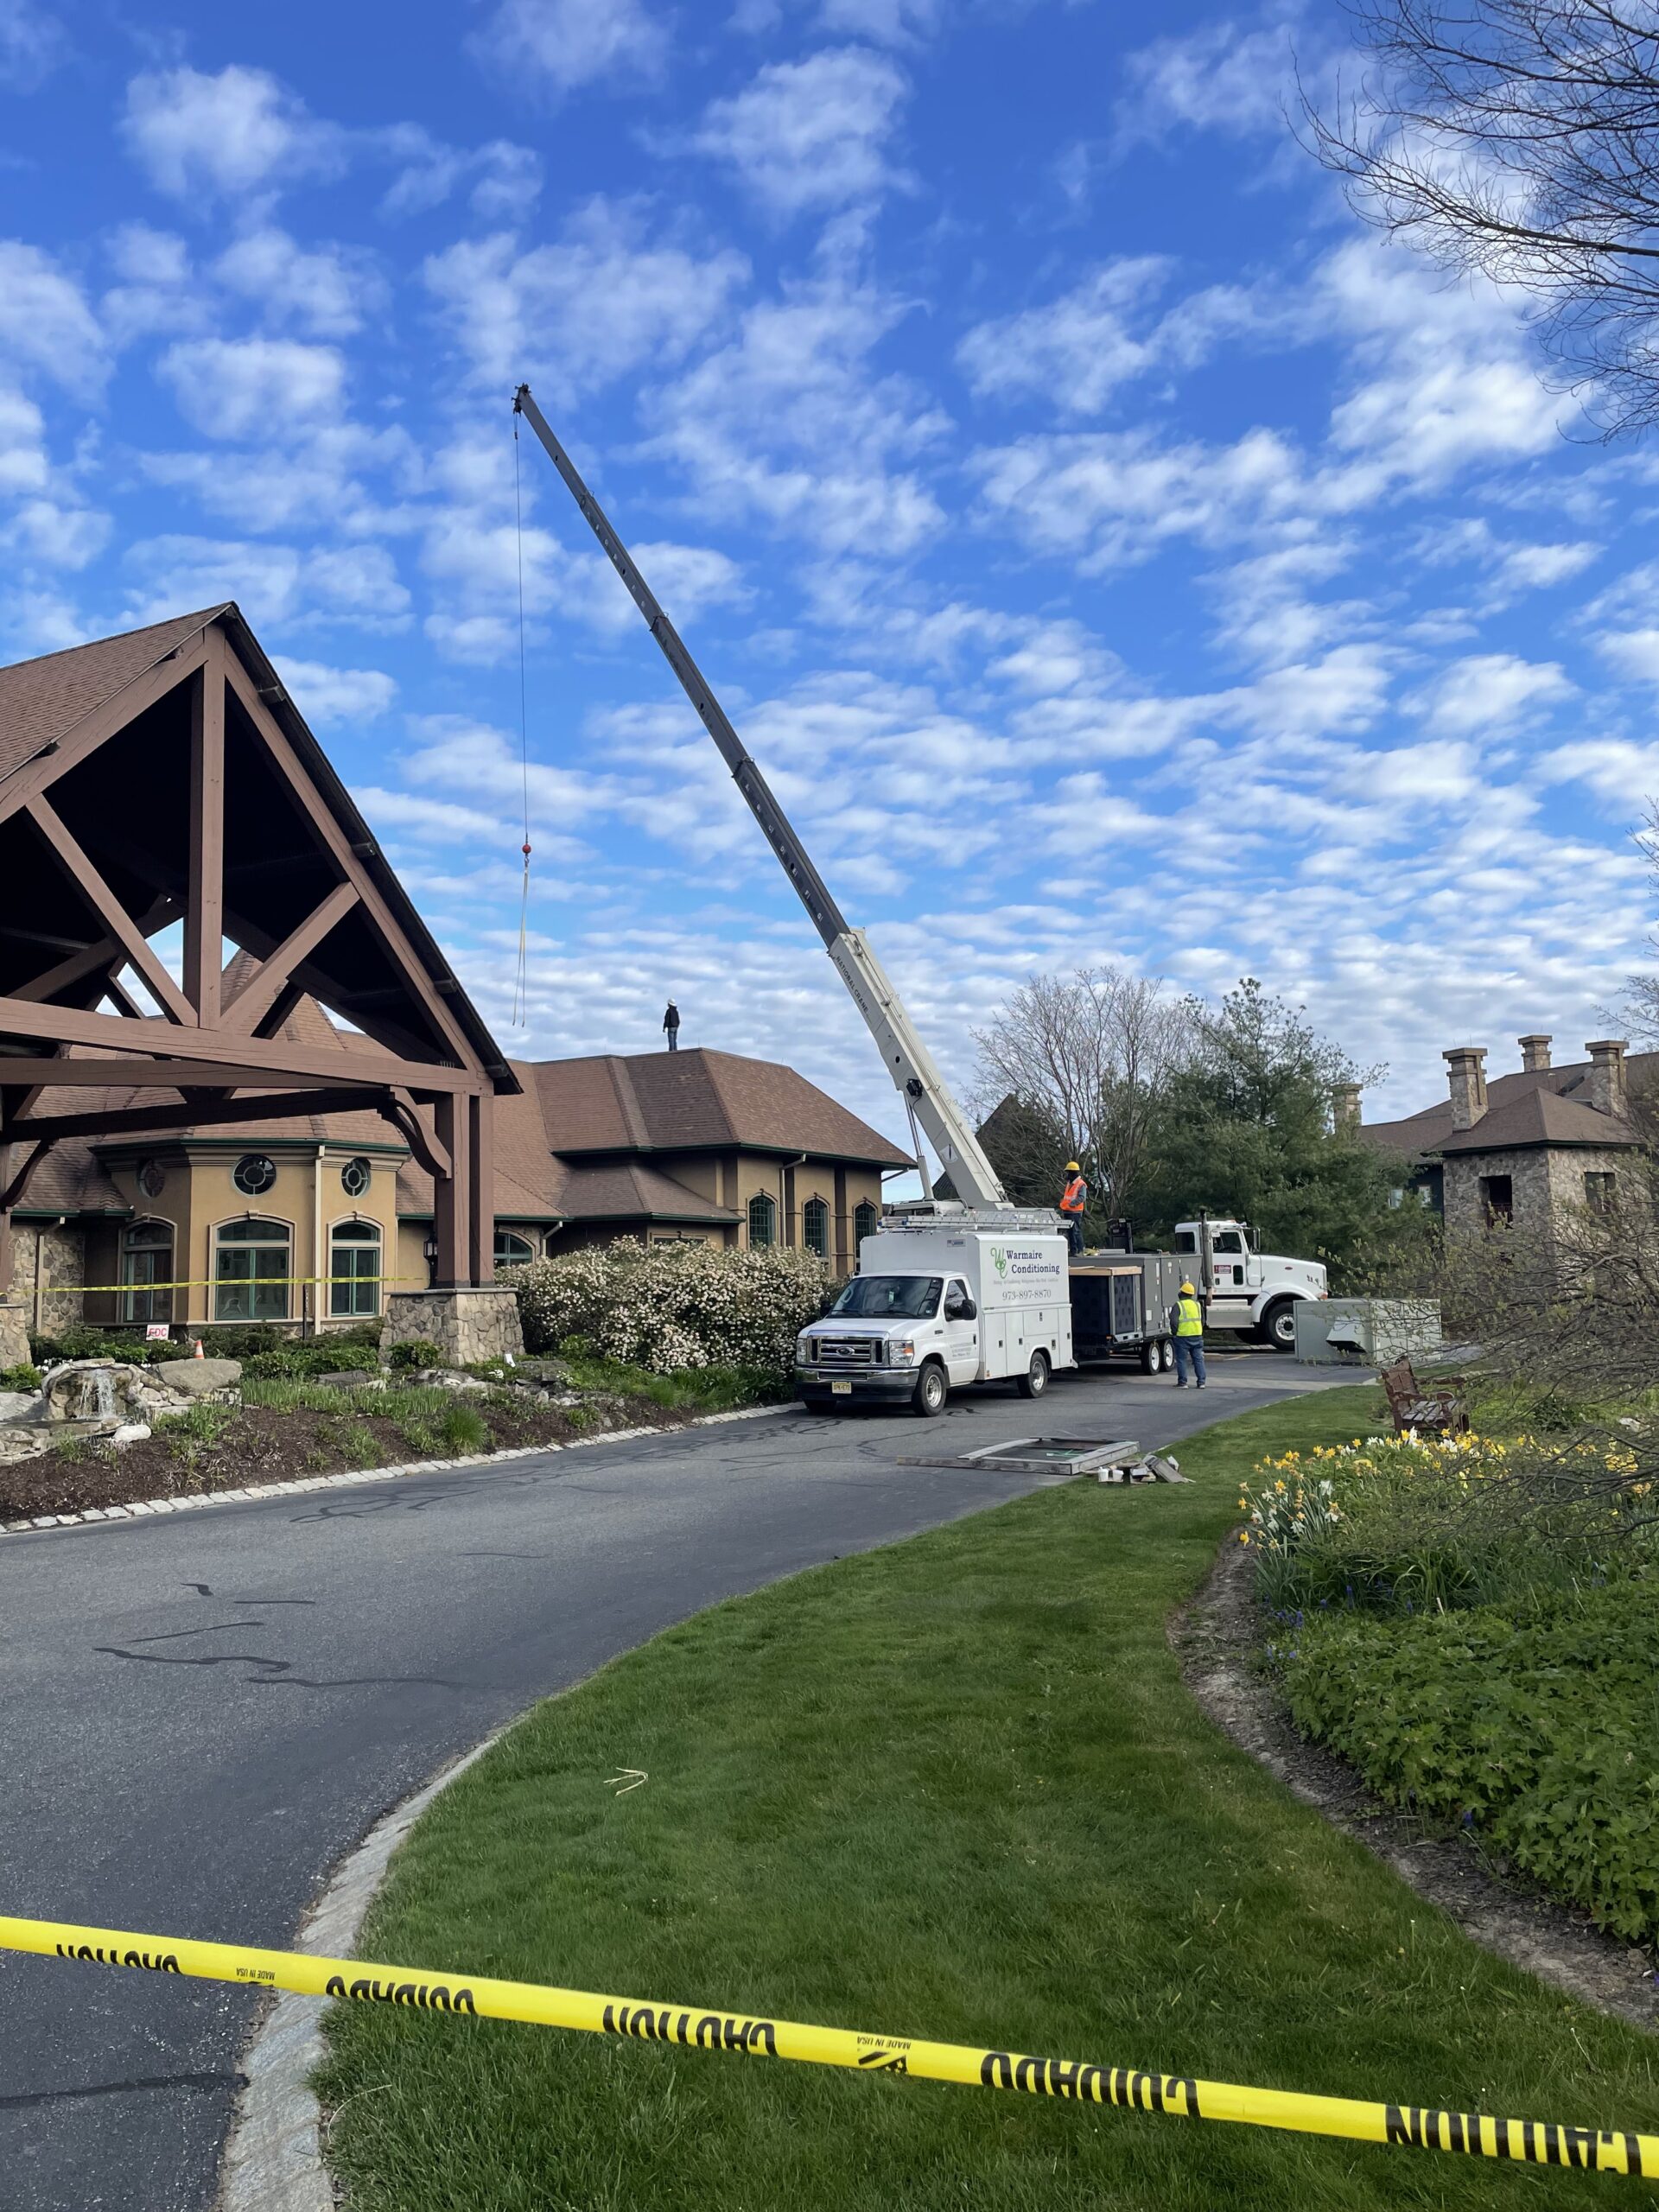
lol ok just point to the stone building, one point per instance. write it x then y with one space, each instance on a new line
1524 1146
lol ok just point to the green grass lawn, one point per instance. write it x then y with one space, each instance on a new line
955 1789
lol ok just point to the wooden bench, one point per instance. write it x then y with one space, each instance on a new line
1439 1408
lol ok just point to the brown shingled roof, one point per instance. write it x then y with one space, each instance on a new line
1540 1117
1429 1130
664 1102
43 699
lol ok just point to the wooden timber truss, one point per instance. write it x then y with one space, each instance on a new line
165 777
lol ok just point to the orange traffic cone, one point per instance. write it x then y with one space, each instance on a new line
198 1353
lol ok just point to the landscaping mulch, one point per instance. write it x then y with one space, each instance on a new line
257 1446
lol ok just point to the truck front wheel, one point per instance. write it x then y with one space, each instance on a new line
1034 1381
1279 1325
930 1392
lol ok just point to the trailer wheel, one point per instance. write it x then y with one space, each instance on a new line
1166 1354
932 1390
1279 1325
1152 1357
1034 1381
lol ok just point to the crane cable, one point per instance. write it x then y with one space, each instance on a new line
521 974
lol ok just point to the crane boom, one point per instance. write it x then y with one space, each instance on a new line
926 1096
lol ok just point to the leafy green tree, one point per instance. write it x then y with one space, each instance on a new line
1246 1127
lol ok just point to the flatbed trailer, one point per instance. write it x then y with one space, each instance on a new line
1120 1307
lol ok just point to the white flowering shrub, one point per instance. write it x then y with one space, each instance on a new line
670 1307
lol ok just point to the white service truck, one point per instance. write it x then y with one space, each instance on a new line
1251 1292
936 1306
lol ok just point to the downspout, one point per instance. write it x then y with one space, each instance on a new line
317 1246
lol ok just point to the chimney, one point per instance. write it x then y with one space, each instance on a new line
1605 1089
1466 1068
1535 1054
1345 1105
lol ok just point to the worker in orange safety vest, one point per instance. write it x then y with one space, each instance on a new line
1073 1199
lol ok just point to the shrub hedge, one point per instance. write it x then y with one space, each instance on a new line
669 1307
1535 1724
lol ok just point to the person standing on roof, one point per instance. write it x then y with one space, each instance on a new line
1073 1199
672 1027
1186 1326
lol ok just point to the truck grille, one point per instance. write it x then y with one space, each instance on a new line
845 1352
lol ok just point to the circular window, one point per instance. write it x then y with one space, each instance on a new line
354 1178
152 1179
254 1173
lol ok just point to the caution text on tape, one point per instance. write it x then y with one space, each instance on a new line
1534 2142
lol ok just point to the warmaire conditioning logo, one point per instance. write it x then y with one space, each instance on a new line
999 1262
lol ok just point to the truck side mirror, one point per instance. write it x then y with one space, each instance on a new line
968 1310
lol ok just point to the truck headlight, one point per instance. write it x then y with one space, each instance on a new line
901 1355
803 1351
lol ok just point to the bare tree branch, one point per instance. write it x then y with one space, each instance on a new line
1519 139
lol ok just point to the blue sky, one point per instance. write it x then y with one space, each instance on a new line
1110 549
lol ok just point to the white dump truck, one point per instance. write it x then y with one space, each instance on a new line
937 1304
1249 1292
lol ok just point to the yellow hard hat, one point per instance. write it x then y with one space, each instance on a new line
1072 1168
1187 1291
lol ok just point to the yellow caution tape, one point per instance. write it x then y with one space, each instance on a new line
1535 2142
200 1282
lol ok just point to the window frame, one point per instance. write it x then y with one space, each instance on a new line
768 1205
865 1209
817 1208
370 1237
500 1235
251 1282
158 1304
1499 1212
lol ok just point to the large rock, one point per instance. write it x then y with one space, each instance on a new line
112 1391
19 1405
218 1381
467 1325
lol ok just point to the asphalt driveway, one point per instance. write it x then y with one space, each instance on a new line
200 1715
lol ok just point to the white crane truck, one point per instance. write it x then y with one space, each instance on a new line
952 1292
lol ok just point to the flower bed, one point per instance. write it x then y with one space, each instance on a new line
1473 1622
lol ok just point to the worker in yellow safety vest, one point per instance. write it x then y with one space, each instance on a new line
1073 1199
1186 1326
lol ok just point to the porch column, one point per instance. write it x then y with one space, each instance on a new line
481 1157
452 1193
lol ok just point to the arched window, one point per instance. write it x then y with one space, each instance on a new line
252 1262
763 1222
512 1250
146 1258
353 1271
815 1227
866 1221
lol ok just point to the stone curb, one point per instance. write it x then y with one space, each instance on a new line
141 1508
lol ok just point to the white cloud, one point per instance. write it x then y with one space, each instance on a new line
333 696
244 387
558 45
354 585
156 289
23 464
1633 652
201 137
45 322
898 22
315 474
1492 691
1076 351
31 44
812 133
506 178
608 296
794 425
1216 79
328 291
1504 568
1623 774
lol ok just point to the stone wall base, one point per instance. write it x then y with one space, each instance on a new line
467 1325
14 1332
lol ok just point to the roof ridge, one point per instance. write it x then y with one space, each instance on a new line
627 1099
203 615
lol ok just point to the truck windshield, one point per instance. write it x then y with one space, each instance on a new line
896 1298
